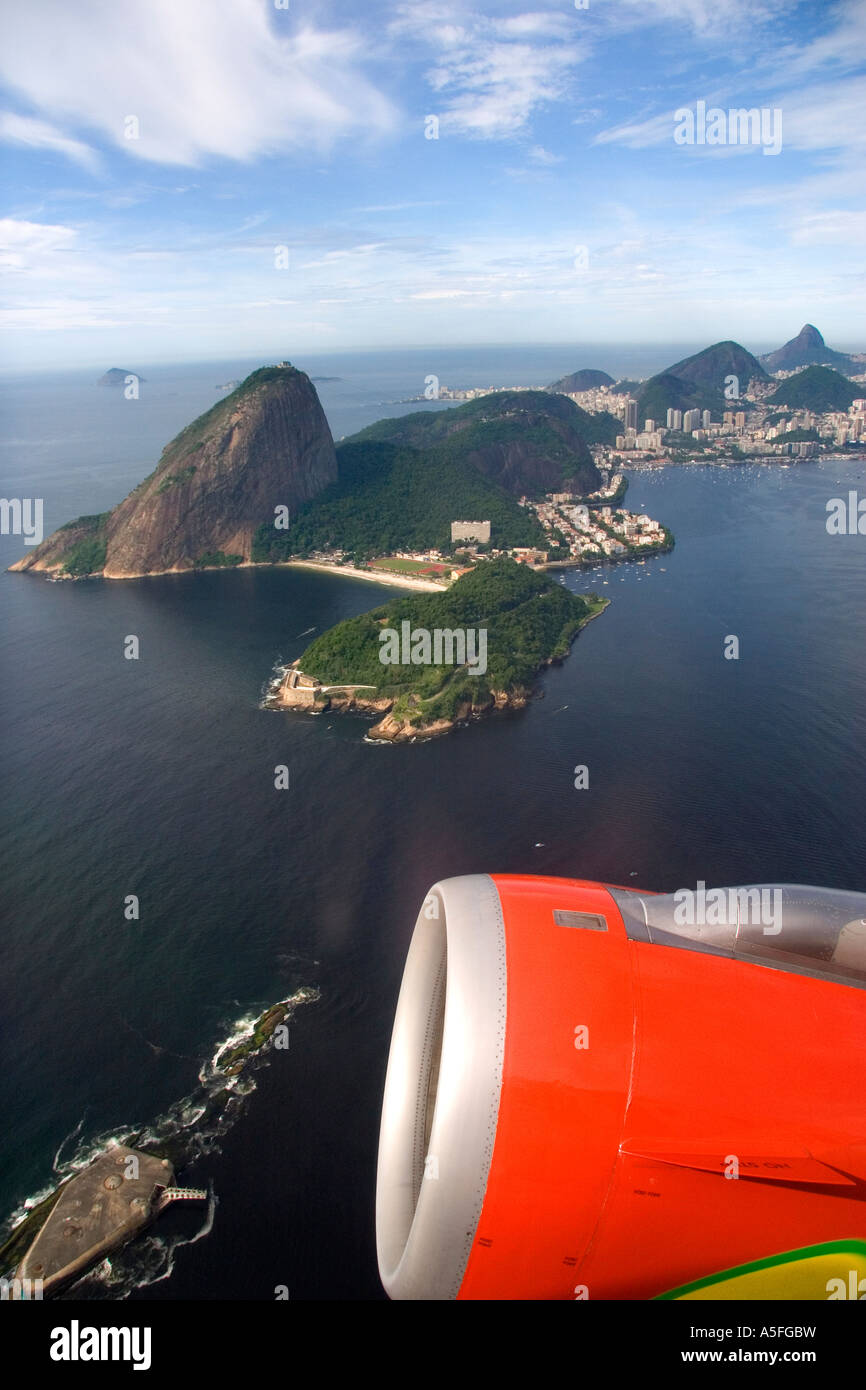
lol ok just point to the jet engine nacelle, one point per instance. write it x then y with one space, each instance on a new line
600 1093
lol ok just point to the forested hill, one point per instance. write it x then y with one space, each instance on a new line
530 442
528 619
390 498
401 482
816 388
699 382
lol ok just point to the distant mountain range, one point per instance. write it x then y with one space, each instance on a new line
806 350
698 382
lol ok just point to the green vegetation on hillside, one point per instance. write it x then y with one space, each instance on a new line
587 379
709 367
217 559
627 387
698 382
426 427
552 425
816 388
87 555
90 523
529 620
639 552
598 427
402 481
668 392
390 498
176 479
798 437
592 428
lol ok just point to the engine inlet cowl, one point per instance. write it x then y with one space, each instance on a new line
442 1090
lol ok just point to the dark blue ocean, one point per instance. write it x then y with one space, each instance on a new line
156 778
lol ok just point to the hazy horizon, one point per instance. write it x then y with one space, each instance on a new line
664 351
201 184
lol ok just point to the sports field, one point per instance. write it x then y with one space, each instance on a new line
399 566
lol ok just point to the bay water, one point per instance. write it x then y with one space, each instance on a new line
156 778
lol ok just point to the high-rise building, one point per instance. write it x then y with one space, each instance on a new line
670 417
678 420
691 420
740 419
649 426
630 414
706 420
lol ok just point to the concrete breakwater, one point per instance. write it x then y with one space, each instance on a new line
104 1206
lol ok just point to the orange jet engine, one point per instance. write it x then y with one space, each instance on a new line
599 1093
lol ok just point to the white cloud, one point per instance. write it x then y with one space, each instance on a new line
25 244
841 47
26 130
539 155
826 116
492 89
839 226
492 73
402 207
543 26
349 253
710 18
655 130
203 81
445 294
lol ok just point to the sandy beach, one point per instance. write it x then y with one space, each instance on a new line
399 581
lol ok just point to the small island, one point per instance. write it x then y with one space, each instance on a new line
118 376
427 663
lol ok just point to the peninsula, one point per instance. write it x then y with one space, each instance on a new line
428 663
257 480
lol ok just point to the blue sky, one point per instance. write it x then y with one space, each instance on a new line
258 126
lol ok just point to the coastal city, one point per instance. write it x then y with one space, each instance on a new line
601 533
581 532
754 430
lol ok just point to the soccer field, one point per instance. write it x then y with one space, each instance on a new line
399 566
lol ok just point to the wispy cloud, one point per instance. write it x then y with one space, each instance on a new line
491 74
25 244
201 83
402 207
735 19
828 227
39 135
539 155
825 116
